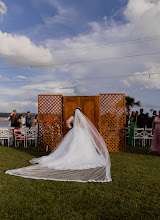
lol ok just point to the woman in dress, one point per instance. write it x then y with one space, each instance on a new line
133 125
155 146
81 156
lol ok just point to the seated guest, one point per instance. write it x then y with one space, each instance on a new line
141 119
28 120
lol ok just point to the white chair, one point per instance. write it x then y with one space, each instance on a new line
138 135
5 134
11 134
127 131
148 135
19 136
31 135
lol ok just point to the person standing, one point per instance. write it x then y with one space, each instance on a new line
36 120
23 121
148 121
155 146
28 120
13 118
133 125
18 124
153 116
141 119
127 118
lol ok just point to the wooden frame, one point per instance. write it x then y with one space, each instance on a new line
112 119
109 117
50 121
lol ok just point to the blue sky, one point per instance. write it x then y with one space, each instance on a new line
47 16
59 47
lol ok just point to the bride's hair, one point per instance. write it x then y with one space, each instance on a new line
78 108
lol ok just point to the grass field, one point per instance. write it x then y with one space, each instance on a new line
134 192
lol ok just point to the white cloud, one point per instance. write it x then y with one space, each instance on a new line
21 77
80 90
146 80
20 106
19 50
145 15
63 15
143 21
3 9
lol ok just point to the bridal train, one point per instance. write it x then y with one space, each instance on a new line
81 156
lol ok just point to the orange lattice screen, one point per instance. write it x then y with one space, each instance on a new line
50 121
112 121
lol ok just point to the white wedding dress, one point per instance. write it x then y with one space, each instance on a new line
82 155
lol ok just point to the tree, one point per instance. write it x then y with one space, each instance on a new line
130 102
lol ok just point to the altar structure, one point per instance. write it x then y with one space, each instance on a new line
106 112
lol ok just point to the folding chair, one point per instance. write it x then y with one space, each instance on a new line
138 135
5 135
127 131
20 135
148 135
31 135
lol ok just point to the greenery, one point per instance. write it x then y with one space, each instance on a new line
130 102
133 194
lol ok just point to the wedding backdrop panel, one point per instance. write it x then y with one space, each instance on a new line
106 111
112 121
50 121
88 105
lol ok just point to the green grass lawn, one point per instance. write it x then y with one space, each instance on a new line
134 192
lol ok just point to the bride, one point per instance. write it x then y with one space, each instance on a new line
82 154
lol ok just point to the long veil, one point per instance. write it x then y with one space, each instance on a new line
81 156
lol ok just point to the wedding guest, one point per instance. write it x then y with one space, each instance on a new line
141 119
154 115
28 120
127 117
18 122
155 146
9 120
23 121
13 118
148 121
133 125
36 120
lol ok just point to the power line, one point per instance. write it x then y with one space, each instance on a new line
87 78
111 44
83 61
97 60
133 41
